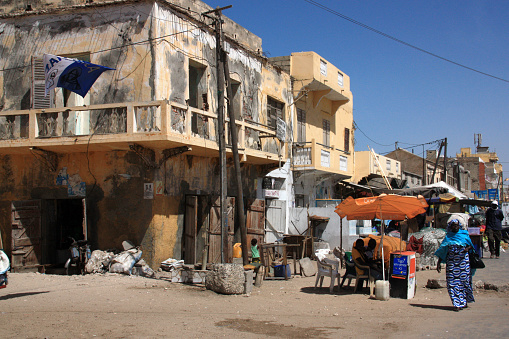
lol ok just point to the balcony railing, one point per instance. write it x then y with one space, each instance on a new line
312 155
158 119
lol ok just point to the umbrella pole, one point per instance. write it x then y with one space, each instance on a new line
383 258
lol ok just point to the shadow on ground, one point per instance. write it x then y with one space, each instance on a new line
436 307
18 295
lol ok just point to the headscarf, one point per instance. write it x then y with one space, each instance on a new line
460 238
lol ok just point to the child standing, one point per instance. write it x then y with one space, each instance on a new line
255 255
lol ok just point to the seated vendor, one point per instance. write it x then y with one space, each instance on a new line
359 256
370 255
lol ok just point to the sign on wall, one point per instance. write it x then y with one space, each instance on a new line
148 191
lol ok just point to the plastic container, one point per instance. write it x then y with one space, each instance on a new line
382 290
237 250
474 231
279 271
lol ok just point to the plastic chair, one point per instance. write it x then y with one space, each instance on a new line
350 272
370 280
327 268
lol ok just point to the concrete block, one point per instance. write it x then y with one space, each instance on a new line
226 279
248 284
307 267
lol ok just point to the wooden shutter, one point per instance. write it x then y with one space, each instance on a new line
37 98
301 125
347 140
326 132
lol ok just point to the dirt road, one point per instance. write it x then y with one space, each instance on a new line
114 306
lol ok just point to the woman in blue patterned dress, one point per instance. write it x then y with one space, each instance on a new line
454 252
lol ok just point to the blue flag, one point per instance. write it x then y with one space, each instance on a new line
73 74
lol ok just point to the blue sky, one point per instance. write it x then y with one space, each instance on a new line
401 94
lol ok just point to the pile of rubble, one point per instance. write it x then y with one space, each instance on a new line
127 262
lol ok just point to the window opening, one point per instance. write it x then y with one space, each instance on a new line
340 79
301 125
275 109
347 140
198 97
323 68
326 132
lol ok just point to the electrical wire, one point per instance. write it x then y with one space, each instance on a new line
357 127
342 16
119 47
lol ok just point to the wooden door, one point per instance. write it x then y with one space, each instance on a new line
215 230
26 233
190 229
255 222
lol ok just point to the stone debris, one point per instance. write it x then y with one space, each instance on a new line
124 262
127 262
99 262
436 283
479 285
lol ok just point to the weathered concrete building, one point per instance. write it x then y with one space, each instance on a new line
137 158
413 163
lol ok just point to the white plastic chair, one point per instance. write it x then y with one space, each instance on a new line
327 268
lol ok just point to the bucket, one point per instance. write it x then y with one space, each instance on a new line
382 290
237 250
279 271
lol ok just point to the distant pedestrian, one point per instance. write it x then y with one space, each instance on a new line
454 251
494 218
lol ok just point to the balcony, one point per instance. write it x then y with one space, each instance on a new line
156 125
322 158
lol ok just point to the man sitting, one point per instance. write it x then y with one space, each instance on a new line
360 257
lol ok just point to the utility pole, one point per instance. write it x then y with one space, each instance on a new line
445 159
218 24
424 179
236 161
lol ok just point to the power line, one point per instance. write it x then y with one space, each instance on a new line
325 8
123 46
357 127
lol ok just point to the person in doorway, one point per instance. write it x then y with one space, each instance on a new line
255 254
494 218
454 252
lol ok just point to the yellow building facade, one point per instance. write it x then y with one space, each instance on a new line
323 125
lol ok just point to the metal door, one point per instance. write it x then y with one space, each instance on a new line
275 221
26 233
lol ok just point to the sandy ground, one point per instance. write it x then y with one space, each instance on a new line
115 306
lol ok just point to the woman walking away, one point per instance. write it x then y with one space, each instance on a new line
454 251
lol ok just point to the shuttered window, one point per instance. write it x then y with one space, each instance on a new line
340 79
323 68
275 109
301 125
347 140
37 98
326 132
